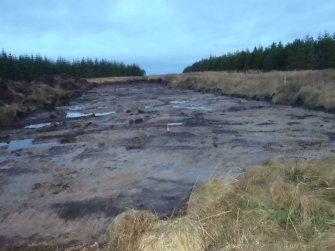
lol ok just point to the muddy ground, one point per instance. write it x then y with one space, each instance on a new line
65 174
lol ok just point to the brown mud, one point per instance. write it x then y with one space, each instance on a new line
65 174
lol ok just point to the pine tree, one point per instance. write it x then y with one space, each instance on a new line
297 55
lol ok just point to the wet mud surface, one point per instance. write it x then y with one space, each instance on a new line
65 174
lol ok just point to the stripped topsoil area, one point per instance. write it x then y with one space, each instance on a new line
65 174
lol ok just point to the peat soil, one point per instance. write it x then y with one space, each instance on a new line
65 174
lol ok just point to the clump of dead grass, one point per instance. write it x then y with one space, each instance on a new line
281 205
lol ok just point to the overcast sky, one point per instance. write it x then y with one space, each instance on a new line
162 36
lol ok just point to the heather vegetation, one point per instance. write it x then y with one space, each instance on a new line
301 54
26 67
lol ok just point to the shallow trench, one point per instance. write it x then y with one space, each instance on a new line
65 174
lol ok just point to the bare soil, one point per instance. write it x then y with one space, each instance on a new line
109 150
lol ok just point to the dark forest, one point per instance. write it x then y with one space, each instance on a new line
301 54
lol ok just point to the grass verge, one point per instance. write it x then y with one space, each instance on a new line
311 89
285 205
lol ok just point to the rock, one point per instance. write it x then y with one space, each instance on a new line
138 121
37 186
87 125
54 115
134 147
68 139
135 143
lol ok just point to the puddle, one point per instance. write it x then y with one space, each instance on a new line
175 102
37 126
3 145
23 144
153 106
75 107
20 144
187 105
198 107
72 115
99 114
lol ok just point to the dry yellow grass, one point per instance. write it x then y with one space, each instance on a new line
286 205
312 89
112 80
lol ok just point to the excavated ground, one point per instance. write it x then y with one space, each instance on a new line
65 174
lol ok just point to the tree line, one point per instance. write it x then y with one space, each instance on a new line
25 67
301 54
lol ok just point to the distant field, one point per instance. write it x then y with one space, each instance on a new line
311 89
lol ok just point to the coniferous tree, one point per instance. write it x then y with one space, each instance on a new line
308 53
31 67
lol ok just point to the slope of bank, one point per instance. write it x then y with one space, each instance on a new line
19 98
311 89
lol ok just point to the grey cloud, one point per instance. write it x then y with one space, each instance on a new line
162 35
